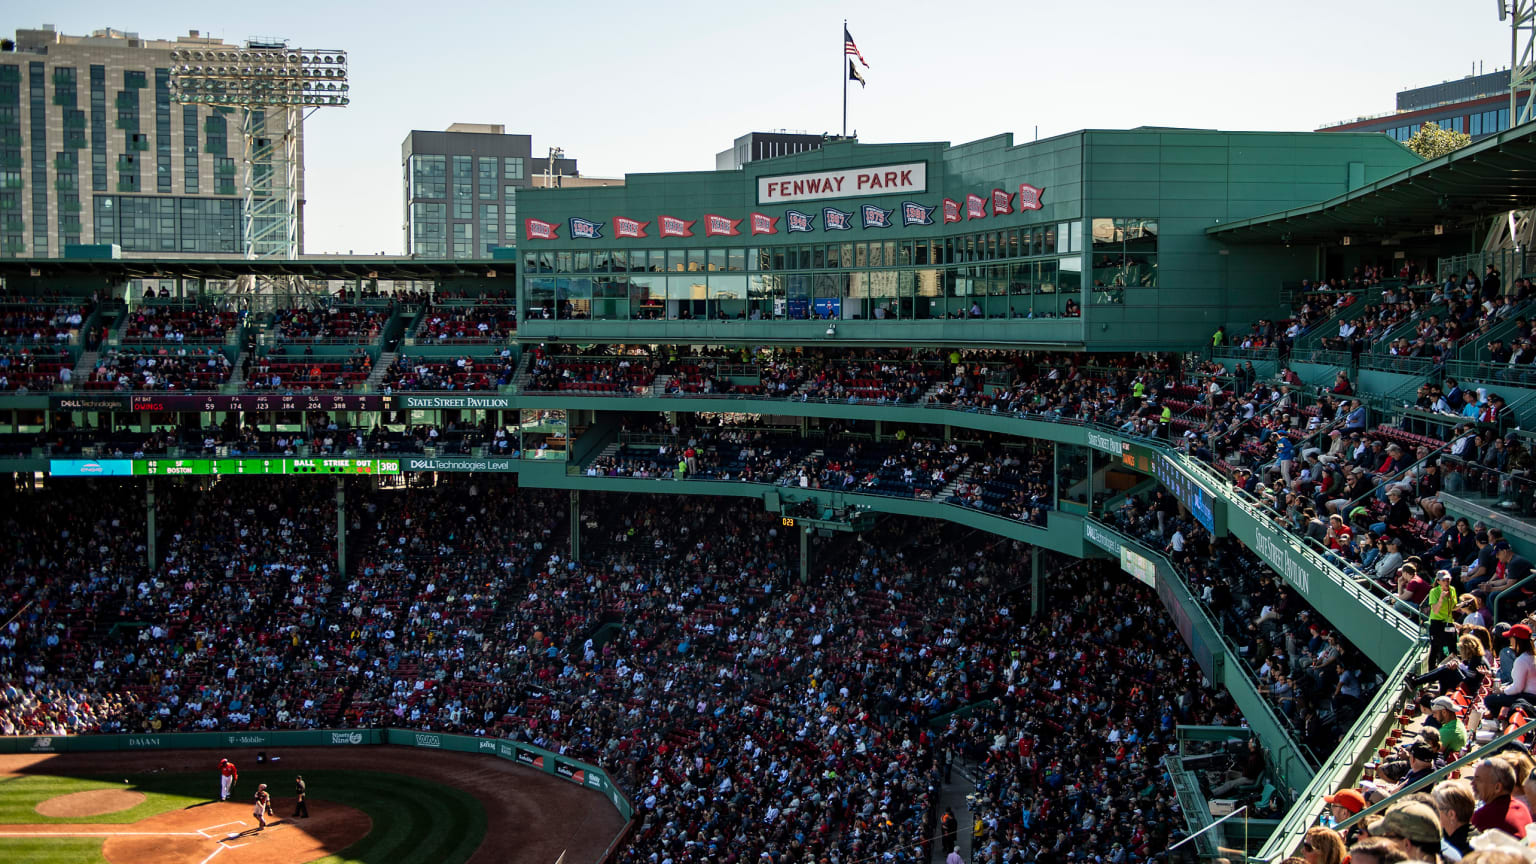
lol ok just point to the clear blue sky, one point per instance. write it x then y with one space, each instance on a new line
663 86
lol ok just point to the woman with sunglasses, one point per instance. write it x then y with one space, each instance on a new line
1322 846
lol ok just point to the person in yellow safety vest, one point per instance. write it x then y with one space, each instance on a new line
1165 422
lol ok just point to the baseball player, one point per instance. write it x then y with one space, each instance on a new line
227 777
262 806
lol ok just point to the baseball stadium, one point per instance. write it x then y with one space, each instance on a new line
1128 495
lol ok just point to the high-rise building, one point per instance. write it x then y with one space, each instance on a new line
461 188
94 150
766 145
1477 105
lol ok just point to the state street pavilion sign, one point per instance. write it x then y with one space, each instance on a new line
899 179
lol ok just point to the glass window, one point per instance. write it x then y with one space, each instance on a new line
735 259
512 168
716 259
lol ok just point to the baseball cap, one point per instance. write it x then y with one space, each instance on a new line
1443 703
1349 799
1520 631
1501 629
1414 822
1501 546
1443 575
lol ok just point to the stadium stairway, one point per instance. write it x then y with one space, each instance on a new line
381 367
237 371
85 365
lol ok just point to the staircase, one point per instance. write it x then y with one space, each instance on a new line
949 488
787 478
659 385
381 369
236 381
84 367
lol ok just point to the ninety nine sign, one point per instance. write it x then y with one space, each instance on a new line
903 178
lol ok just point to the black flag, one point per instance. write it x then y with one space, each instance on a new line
853 74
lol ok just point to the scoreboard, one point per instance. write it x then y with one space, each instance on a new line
196 467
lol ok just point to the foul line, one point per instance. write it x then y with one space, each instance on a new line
220 825
213 853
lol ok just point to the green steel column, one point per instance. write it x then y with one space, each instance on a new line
341 526
149 524
877 432
575 524
1055 476
805 553
1034 581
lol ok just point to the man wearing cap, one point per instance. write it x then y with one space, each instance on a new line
1414 829
1344 804
1442 629
1453 733
1510 570
1494 781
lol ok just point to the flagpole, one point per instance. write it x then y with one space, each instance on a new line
843 59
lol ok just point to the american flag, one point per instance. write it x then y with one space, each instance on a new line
851 49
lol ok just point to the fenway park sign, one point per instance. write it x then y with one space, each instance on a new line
900 179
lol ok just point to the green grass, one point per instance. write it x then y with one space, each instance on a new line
414 821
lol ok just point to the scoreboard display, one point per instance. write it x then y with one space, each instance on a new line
209 467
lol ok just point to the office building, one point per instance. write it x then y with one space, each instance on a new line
754 146
1477 105
94 151
461 188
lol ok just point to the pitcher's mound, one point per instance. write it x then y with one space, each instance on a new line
94 802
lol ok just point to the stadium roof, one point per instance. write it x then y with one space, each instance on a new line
1476 182
117 269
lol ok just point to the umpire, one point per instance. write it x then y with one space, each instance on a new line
301 807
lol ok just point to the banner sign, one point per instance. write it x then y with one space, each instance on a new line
1029 197
762 223
913 213
89 402
671 226
720 226
902 178
876 217
975 206
833 219
405 401
90 467
800 221
450 464
623 227
538 229
951 210
585 229
224 466
1002 202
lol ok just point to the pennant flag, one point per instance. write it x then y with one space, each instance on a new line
799 221
762 223
853 74
720 226
833 219
876 217
1029 197
975 206
851 49
586 229
1002 202
913 213
951 210
537 229
628 227
671 226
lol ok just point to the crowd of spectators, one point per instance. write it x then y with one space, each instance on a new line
164 368
743 710
282 369
486 372
331 322
33 324
40 367
460 324
178 324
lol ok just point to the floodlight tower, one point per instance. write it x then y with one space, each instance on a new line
271 85
1521 15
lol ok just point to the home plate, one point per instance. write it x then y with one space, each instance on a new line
231 835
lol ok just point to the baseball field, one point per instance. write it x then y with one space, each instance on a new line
367 806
